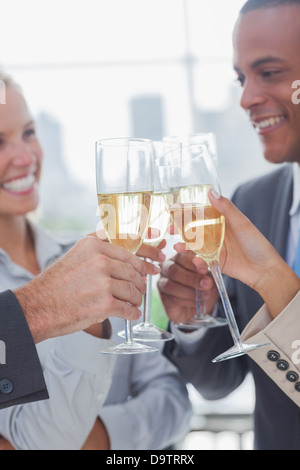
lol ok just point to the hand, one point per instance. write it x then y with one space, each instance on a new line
93 281
154 254
178 281
146 251
248 256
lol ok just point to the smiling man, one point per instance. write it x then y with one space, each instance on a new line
267 61
266 41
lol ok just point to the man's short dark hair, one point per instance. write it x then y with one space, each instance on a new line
258 4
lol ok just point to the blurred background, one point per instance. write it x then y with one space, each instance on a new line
143 68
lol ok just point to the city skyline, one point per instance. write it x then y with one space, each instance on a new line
67 202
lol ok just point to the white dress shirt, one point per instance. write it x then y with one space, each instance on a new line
147 406
77 376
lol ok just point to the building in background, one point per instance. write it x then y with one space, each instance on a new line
147 117
65 204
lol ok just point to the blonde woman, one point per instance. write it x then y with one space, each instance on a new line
78 377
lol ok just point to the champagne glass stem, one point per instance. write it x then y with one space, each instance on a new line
147 331
200 304
128 332
217 275
147 301
201 318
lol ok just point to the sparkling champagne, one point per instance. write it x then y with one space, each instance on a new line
158 221
125 218
200 225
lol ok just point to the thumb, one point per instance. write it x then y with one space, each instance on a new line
226 207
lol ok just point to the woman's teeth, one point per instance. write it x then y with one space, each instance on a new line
19 185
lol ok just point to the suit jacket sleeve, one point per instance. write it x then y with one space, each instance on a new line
21 376
281 359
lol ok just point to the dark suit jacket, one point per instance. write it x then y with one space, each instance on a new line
266 201
21 376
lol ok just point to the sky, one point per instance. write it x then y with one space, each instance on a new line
83 60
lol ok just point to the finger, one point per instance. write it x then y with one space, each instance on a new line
124 272
185 260
90 245
200 264
127 292
92 234
124 310
191 279
101 235
151 268
162 245
151 252
176 273
181 248
182 261
87 247
118 253
177 290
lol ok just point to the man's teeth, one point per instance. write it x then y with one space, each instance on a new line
268 122
21 184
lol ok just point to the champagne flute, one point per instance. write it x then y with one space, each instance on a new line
201 319
124 173
201 226
158 224
209 139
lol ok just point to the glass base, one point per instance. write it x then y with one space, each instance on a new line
237 351
207 322
148 332
129 348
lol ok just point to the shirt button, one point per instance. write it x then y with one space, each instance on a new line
297 386
273 356
282 365
6 386
292 376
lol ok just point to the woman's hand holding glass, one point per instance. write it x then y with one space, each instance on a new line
248 256
190 178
